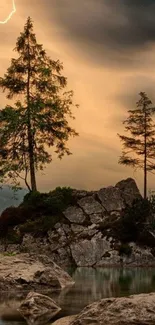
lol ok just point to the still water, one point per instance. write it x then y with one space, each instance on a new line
90 285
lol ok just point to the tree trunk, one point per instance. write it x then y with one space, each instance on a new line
145 177
30 136
31 159
145 157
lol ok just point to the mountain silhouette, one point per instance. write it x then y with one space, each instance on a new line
9 198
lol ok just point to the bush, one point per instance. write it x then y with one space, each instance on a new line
40 225
32 197
58 200
125 249
11 217
133 220
35 201
13 237
53 202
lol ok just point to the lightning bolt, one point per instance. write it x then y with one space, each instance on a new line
11 13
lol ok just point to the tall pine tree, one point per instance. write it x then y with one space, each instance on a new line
139 148
39 118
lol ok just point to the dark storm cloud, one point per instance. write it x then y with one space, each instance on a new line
128 99
125 23
119 26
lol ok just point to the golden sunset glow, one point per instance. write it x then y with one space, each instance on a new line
10 14
107 60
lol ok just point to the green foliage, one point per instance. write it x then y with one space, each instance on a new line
13 237
38 213
52 203
32 197
39 119
59 199
125 249
152 203
10 254
133 220
40 225
151 219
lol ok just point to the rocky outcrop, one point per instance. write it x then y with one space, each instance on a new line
111 198
38 309
137 309
26 272
90 252
129 190
87 234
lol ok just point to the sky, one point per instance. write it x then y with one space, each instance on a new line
108 51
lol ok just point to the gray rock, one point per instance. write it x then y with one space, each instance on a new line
77 228
35 244
111 198
67 229
64 256
90 205
137 309
89 252
129 190
38 309
79 194
53 239
88 232
140 256
97 218
79 235
75 214
110 258
84 231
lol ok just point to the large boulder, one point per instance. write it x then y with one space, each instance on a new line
111 198
27 272
75 214
137 309
129 190
38 309
96 251
90 205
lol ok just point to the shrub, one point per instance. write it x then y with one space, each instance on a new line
32 197
34 206
11 217
35 201
59 199
125 249
10 254
133 220
40 225
13 237
53 202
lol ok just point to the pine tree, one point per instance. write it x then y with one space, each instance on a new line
38 119
139 148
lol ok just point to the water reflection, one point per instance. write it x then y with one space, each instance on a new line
94 284
90 285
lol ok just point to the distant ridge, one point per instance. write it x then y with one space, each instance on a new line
8 198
